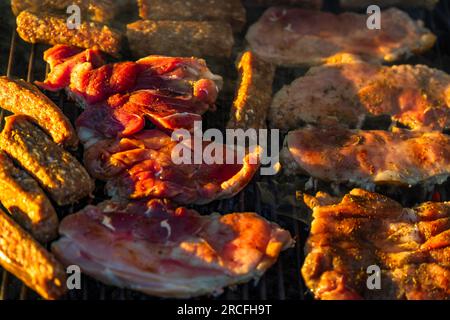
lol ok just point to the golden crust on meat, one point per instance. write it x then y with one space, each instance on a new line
29 261
56 170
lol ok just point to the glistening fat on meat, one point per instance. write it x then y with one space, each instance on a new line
52 29
29 261
180 38
21 195
56 170
159 249
231 11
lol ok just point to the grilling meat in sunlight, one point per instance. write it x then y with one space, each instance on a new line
165 251
306 37
19 96
170 92
348 91
141 166
364 158
410 246
56 170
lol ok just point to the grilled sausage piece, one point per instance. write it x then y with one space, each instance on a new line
29 261
180 38
18 96
96 10
56 170
231 11
52 29
27 203
254 93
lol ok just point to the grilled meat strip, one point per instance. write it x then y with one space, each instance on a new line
180 38
27 203
29 261
410 246
231 11
158 249
52 29
142 166
358 4
294 37
97 10
254 93
365 158
18 96
56 170
347 91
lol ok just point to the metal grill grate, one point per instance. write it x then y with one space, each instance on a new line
283 281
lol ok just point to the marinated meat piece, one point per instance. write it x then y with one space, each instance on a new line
161 250
52 29
254 93
365 158
56 170
18 96
310 4
293 37
97 10
231 11
409 245
348 91
29 261
27 203
357 4
180 38
141 166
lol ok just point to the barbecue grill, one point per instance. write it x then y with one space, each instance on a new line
283 280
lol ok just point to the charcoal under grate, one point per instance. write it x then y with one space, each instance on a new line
283 280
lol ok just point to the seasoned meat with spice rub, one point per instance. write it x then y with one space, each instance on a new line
364 158
52 29
26 259
180 38
56 170
18 96
293 37
410 246
159 249
231 11
349 91
26 201
253 94
142 166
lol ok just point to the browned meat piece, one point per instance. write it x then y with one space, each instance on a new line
29 261
52 29
97 10
56 170
27 203
18 96
310 4
358 4
180 38
410 246
365 158
254 93
348 90
309 37
231 11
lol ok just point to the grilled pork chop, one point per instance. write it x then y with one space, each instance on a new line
410 246
347 90
306 37
165 251
141 166
365 158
